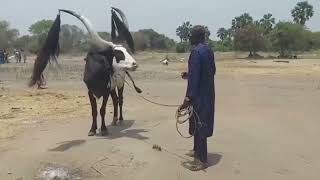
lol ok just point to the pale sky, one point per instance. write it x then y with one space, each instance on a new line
162 15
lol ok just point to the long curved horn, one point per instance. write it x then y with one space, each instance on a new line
95 39
123 16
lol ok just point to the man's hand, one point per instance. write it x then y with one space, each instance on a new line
184 75
186 103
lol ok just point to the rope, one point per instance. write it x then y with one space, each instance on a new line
182 116
148 100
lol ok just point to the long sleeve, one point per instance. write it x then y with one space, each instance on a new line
193 75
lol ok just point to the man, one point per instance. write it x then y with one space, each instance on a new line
2 57
201 95
24 54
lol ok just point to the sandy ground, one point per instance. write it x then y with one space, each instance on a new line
267 123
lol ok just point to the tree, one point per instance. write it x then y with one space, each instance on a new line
141 41
39 31
267 23
241 21
222 34
249 38
41 27
23 42
289 38
7 35
315 38
156 40
225 43
71 38
208 33
183 31
302 12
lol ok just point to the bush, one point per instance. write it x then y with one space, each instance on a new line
182 47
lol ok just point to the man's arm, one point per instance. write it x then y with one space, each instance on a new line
193 75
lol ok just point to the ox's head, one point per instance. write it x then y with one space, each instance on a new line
123 60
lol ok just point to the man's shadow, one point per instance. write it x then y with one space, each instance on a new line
123 130
214 159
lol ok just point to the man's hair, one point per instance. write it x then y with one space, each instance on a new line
198 33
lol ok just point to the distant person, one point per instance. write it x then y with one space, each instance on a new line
17 54
24 54
2 56
201 95
6 54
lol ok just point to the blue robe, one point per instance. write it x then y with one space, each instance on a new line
201 90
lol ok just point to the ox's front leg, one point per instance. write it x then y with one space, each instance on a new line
104 130
94 111
120 94
115 107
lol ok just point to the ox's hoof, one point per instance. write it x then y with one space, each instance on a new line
114 122
91 133
104 132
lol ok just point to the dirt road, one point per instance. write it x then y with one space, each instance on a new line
267 125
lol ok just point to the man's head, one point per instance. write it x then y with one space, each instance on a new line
197 35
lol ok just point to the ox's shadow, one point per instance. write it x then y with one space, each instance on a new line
123 130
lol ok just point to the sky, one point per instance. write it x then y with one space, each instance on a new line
162 15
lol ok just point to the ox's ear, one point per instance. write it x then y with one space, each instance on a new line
120 27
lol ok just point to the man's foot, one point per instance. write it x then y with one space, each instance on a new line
190 153
195 165
42 87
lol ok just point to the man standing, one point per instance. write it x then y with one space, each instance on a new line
2 57
201 95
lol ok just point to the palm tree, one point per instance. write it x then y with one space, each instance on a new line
183 31
302 12
222 34
267 23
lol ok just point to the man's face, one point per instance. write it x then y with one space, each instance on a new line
193 40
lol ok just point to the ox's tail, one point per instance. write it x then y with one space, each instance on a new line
48 52
134 84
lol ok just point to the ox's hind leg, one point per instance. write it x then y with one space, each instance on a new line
94 111
104 130
120 94
115 107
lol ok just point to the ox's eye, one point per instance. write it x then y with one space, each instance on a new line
119 55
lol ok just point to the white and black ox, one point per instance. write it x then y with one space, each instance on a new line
106 65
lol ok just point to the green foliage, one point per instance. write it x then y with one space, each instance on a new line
22 42
288 38
315 40
267 23
223 34
221 46
41 27
208 33
39 31
225 44
71 38
150 39
302 12
7 35
183 31
182 47
249 38
241 21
